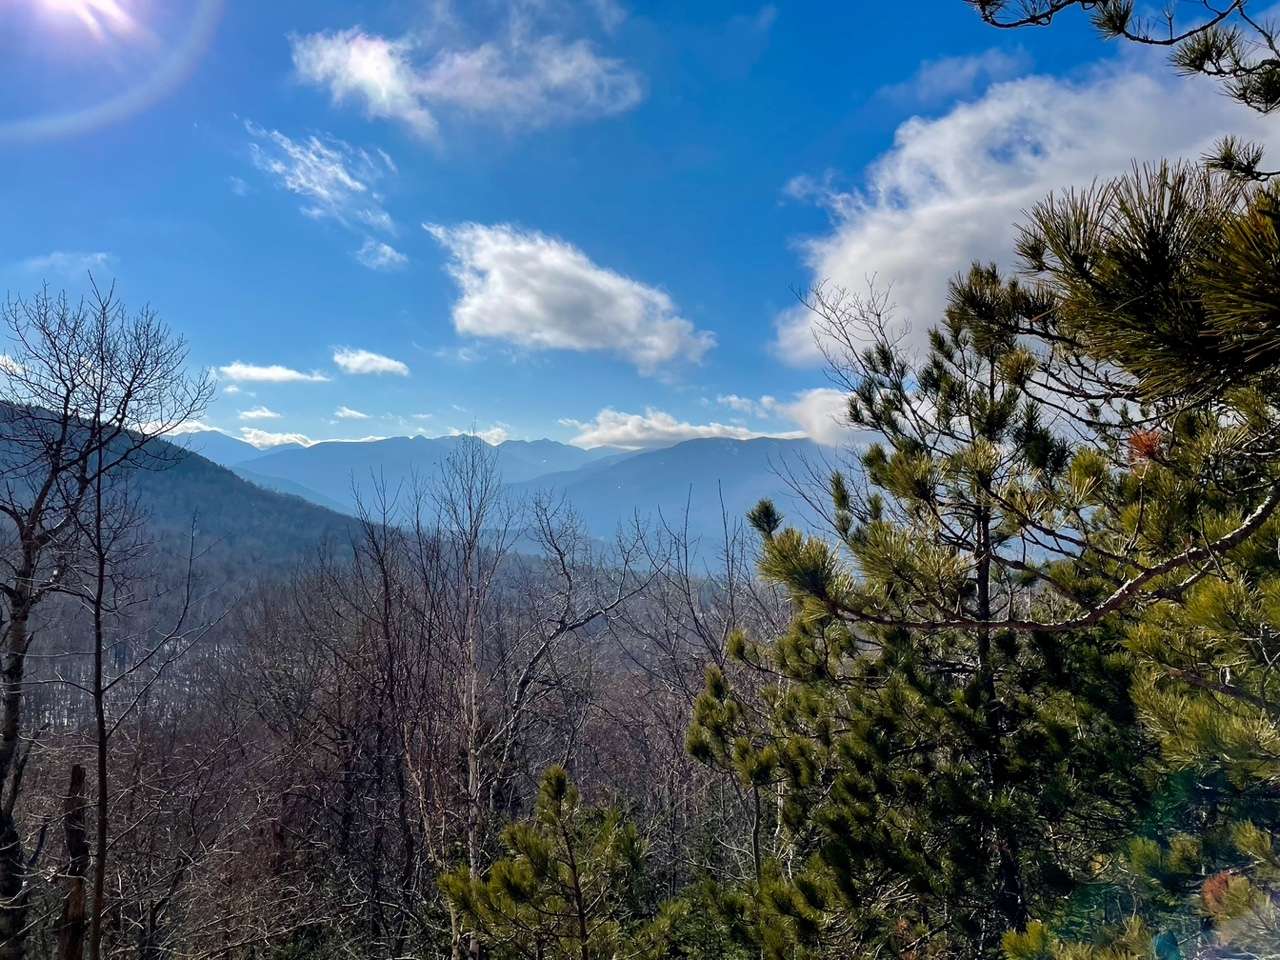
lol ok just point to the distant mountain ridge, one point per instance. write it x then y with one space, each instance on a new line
343 472
695 486
607 487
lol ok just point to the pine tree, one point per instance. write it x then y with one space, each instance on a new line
1171 274
1201 875
950 745
567 888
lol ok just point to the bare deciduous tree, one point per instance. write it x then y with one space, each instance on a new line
86 391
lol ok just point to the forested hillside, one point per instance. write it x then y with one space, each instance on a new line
242 531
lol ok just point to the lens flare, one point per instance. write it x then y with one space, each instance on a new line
110 21
101 17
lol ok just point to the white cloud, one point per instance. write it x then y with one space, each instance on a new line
346 413
653 428
498 433
610 13
238 186
950 77
259 413
231 389
271 373
68 263
545 294
746 405
367 362
334 179
821 413
523 80
377 255
370 70
951 189
263 439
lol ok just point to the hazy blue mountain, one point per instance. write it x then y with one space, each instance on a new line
697 475
607 486
221 448
289 487
334 471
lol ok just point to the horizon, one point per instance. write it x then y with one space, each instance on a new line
195 430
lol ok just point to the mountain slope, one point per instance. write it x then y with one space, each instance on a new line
697 475
221 448
242 531
290 488
338 472
607 487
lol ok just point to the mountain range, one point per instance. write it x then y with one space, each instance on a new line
692 484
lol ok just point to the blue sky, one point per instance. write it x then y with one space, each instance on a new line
582 219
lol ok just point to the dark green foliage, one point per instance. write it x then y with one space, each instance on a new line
1203 874
568 886
238 527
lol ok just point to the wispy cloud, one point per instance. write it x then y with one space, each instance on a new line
520 79
746 405
651 429
368 362
334 179
269 373
821 414
372 71
259 413
346 413
380 256
542 293
67 263
947 78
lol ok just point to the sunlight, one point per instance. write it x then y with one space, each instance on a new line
165 47
100 17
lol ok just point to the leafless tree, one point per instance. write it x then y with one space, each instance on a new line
87 390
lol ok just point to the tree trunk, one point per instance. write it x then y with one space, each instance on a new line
100 732
13 866
13 899
73 923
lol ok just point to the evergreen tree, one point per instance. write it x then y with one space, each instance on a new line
1171 274
1201 876
568 887
950 745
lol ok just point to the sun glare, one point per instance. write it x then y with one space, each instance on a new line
100 17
